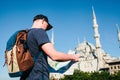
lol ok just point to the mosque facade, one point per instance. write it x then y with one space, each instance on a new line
93 57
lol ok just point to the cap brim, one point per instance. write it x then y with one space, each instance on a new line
49 27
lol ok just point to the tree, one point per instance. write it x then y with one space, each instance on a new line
103 75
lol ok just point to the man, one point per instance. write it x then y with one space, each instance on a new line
40 47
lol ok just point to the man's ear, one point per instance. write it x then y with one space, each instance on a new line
43 20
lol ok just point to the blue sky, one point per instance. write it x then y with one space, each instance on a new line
72 19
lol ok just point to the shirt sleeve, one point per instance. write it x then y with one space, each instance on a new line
41 37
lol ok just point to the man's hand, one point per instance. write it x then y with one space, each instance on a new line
76 57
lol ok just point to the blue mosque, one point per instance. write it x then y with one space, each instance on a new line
93 57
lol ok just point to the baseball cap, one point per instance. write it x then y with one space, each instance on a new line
41 16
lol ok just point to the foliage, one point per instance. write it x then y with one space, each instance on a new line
115 76
103 75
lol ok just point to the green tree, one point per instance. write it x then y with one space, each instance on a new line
115 76
103 75
78 75
100 75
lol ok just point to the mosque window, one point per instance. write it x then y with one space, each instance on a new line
111 67
114 67
118 67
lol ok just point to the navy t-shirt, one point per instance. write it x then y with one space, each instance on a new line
35 39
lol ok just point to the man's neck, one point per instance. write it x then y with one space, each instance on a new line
38 24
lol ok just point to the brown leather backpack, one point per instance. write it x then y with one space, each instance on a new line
19 59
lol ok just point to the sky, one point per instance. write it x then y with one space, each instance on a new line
72 20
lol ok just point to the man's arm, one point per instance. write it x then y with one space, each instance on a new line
49 49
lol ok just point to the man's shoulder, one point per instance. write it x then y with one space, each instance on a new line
37 30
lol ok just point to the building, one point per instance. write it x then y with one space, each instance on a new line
114 66
93 57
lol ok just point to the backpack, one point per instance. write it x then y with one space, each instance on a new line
17 57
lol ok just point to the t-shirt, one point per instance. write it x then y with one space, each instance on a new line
35 39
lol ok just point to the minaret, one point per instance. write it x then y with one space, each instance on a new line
118 32
97 39
50 61
52 37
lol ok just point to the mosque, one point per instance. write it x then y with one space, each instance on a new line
93 57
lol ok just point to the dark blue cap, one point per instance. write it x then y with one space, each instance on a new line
40 16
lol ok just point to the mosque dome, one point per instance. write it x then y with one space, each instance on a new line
85 49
